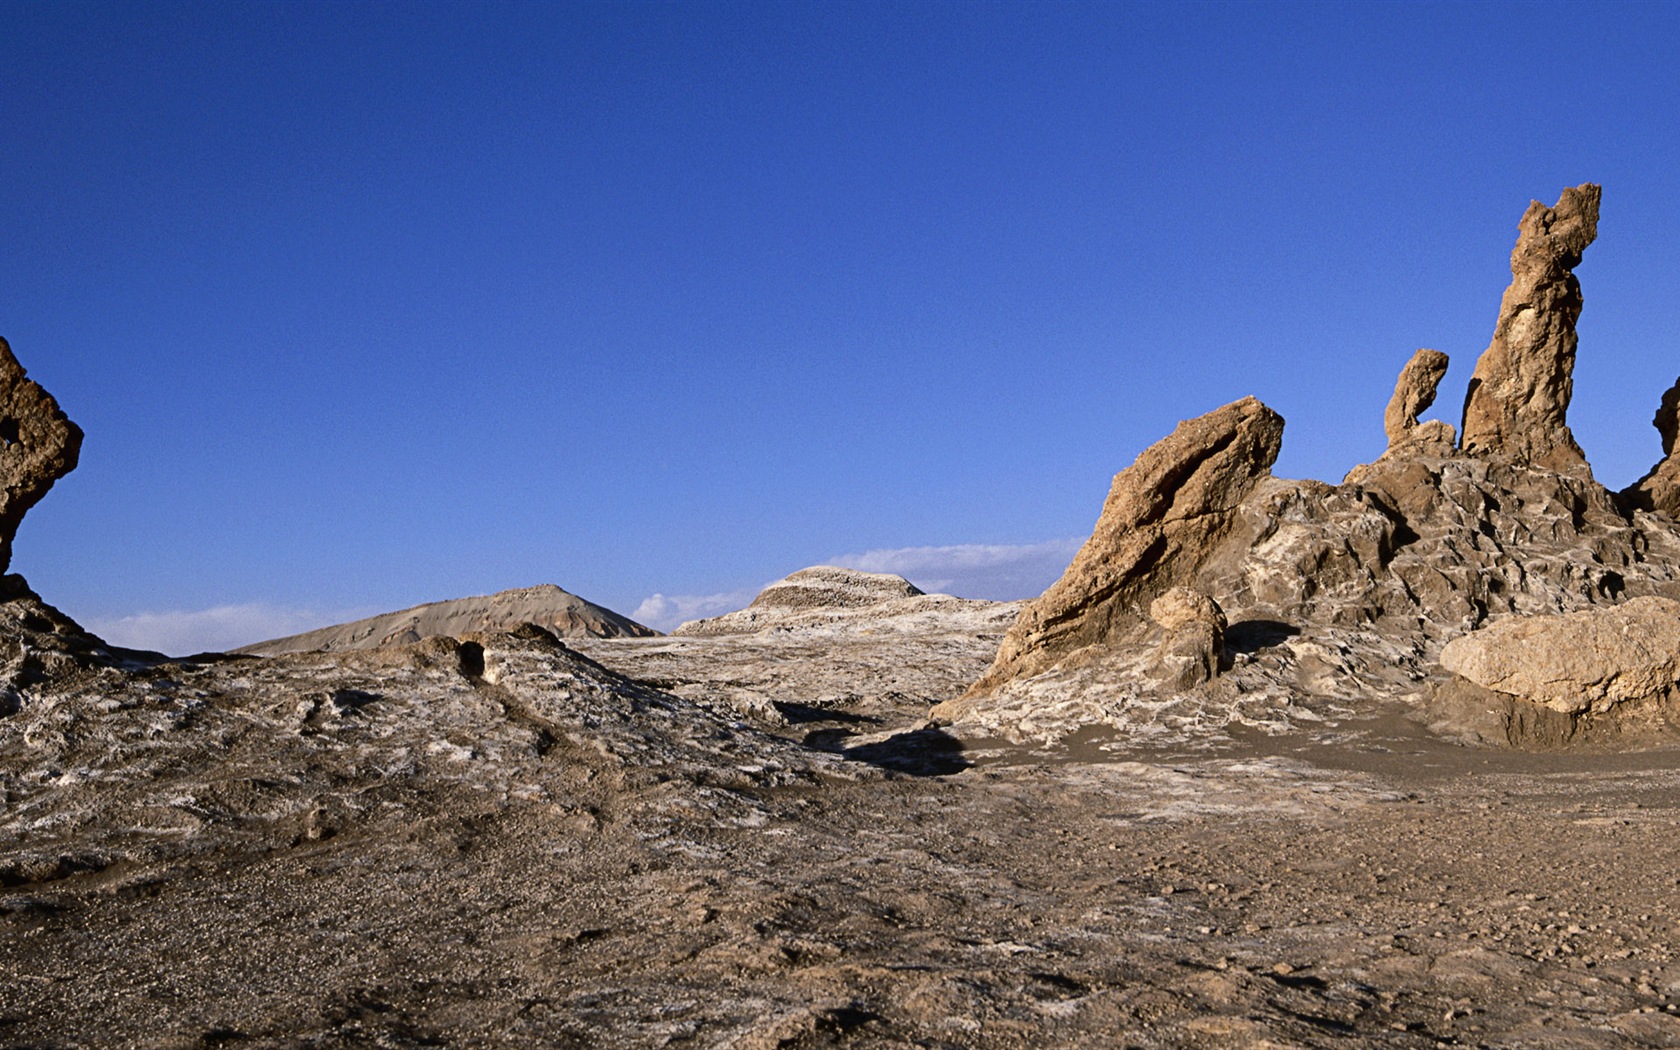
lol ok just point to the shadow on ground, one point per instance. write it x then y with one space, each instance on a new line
919 752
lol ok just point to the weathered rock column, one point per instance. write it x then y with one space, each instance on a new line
1414 392
1519 394
38 445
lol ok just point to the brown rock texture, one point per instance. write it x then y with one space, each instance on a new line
1414 392
1163 516
1660 489
38 445
1519 394
1594 659
1194 645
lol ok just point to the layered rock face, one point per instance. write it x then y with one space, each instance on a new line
1519 394
821 597
1163 516
1337 596
1660 489
38 445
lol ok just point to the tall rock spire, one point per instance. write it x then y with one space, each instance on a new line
1519 393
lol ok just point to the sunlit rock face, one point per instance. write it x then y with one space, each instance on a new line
38 445
1414 392
1163 517
1519 394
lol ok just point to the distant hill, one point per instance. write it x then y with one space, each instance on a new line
560 611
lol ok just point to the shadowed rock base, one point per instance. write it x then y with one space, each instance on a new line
1660 489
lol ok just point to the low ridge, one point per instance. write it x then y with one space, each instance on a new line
546 605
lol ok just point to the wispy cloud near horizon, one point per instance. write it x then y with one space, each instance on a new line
999 571
663 612
217 629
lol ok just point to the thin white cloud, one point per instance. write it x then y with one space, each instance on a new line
999 571
663 612
182 632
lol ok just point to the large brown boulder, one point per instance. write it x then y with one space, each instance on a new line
1164 516
1660 489
38 445
1519 394
1594 659
1601 676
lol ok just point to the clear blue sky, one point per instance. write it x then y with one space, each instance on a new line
363 305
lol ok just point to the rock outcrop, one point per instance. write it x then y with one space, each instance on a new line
819 597
1339 595
1194 645
1414 392
1605 676
1594 659
1163 516
547 606
831 587
1519 395
1660 489
38 445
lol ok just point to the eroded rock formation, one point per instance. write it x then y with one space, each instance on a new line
1339 595
1660 489
1194 645
831 587
1163 515
1593 659
1414 392
38 445
823 598
1519 394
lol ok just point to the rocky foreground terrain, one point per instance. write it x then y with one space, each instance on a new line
1276 763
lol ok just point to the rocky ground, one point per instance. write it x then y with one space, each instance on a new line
513 846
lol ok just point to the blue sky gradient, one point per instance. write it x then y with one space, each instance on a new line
363 305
